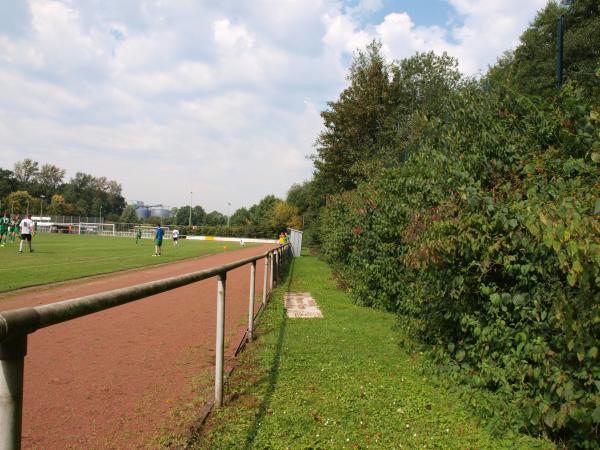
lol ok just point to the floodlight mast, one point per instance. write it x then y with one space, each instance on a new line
190 221
560 32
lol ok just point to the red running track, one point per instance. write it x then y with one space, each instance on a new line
115 379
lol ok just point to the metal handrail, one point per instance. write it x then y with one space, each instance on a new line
27 320
17 324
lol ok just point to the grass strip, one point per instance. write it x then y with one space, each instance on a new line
340 382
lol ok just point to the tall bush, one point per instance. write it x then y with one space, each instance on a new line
486 244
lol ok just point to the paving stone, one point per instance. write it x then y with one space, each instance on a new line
301 305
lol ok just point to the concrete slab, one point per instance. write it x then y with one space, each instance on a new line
301 305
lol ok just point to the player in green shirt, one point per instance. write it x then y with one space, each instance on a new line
4 224
14 229
138 234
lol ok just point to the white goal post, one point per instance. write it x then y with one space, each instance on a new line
104 229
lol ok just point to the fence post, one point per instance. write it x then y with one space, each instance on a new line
12 359
271 263
251 301
277 266
266 279
219 350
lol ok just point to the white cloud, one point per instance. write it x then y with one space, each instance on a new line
221 98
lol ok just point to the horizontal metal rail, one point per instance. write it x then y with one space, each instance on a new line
17 324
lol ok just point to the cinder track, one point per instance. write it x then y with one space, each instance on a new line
111 379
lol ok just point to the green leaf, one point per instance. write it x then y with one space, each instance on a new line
596 415
460 355
593 352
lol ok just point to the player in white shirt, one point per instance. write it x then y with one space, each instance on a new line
26 232
175 236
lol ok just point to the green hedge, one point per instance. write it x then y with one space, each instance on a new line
486 244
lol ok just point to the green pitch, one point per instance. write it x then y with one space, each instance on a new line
60 257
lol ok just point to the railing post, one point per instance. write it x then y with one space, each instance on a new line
219 350
266 279
251 302
277 266
12 359
271 263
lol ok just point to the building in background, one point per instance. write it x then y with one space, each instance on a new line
144 211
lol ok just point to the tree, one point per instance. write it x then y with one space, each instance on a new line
284 216
301 196
353 122
26 172
260 217
49 178
215 218
20 202
198 215
240 217
57 205
531 68
129 215
182 216
8 182
86 191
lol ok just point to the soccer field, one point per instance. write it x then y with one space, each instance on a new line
60 257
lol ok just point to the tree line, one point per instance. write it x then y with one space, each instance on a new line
25 187
267 218
469 206
28 185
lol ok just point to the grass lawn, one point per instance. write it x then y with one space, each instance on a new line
59 257
341 382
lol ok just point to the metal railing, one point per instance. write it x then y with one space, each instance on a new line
17 324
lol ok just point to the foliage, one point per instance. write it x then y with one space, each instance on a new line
367 127
531 68
215 218
83 195
129 215
353 123
240 217
57 205
485 243
285 216
8 182
26 171
19 202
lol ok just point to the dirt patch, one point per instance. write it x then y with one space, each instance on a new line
113 379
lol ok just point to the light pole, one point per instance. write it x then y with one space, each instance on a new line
42 206
560 33
190 222
228 206
100 216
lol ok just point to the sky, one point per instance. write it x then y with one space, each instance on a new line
218 99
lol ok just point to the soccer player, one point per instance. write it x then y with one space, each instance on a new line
158 238
175 236
14 230
138 234
4 225
26 233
